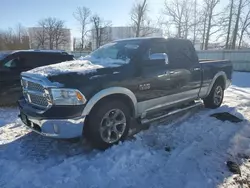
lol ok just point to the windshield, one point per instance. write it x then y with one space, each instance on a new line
115 52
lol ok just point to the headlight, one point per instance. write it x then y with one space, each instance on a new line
67 97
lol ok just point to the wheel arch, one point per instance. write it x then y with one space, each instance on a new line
114 92
219 77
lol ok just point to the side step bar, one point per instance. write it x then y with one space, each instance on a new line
145 121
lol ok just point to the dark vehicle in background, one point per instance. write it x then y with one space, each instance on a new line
12 63
132 80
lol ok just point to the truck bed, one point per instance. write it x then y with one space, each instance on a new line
211 68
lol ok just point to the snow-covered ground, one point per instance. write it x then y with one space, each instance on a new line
188 153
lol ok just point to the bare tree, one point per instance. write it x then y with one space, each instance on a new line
209 6
195 22
82 15
180 14
101 32
204 21
241 5
14 38
142 24
237 24
20 31
51 32
40 35
229 23
60 34
245 24
138 16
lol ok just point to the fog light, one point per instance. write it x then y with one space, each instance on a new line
56 129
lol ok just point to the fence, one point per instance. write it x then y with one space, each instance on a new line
239 58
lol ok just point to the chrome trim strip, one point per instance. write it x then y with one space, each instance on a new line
58 128
165 102
144 121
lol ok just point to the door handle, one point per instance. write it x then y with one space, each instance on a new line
169 72
197 69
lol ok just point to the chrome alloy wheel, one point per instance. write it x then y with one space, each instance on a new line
218 95
112 126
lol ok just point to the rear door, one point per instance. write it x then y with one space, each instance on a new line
184 70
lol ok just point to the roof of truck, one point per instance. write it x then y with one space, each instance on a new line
150 38
140 38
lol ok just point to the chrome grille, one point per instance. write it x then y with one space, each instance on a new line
38 100
34 93
35 87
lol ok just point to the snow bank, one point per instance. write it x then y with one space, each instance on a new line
199 148
78 66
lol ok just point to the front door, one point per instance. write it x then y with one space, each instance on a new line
155 82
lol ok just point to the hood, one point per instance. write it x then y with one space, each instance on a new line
75 66
77 72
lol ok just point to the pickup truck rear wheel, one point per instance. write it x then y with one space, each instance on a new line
215 97
108 124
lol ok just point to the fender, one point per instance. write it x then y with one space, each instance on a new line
221 73
106 92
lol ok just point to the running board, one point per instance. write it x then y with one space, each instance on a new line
145 121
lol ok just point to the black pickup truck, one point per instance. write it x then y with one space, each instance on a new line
99 97
12 63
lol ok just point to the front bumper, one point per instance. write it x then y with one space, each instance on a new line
57 128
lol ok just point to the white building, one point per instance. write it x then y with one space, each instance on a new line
115 33
37 37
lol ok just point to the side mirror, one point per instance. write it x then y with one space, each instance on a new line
159 56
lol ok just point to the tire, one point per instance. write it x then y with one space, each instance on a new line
215 97
103 129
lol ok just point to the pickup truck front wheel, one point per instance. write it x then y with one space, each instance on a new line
215 97
108 124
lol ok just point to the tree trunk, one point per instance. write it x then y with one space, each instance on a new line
241 36
195 20
229 24
141 12
138 29
204 32
208 28
50 44
236 25
208 32
82 38
179 30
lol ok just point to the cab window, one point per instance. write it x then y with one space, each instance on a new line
13 63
